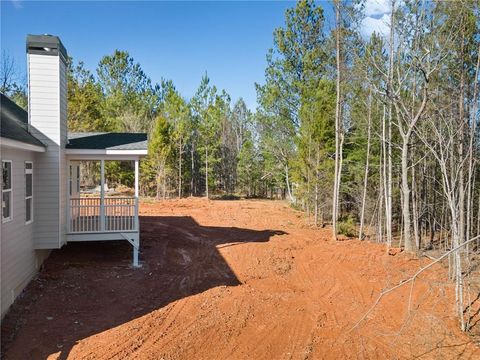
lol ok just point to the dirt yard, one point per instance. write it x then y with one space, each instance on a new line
232 280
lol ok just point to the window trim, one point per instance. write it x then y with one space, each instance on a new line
28 171
10 218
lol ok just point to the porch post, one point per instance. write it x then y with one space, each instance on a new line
136 178
137 226
102 195
135 256
69 197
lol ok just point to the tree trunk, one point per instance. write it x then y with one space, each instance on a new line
461 150
415 210
287 180
385 174
409 245
478 214
338 125
180 169
192 190
206 171
316 187
388 189
367 163
471 156
159 184
457 261
309 177
164 171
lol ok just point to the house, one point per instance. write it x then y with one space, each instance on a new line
42 207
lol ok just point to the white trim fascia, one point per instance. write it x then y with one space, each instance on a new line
95 157
106 152
86 157
20 145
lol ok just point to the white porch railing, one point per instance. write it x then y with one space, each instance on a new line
113 214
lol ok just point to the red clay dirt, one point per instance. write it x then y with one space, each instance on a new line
232 280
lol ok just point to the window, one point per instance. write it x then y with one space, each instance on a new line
6 190
28 192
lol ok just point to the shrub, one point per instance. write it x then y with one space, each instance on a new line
226 197
346 226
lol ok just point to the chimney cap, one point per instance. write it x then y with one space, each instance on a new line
46 45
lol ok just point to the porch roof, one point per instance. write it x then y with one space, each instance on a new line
107 143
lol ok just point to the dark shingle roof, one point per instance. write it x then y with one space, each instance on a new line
107 141
14 122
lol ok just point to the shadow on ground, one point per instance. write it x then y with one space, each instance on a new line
87 288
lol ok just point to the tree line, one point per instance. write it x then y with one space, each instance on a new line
197 147
377 136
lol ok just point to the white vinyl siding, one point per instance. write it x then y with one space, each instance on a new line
48 120
19 260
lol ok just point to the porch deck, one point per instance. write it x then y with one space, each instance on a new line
104 218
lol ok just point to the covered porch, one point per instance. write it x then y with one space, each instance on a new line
98 215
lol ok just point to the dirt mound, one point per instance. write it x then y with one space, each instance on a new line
232 280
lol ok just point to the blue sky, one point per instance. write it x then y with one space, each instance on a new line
171 40
178 41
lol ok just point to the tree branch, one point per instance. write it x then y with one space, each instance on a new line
411 279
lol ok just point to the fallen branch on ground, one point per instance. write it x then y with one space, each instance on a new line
411 279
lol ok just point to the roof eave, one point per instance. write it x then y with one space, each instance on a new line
20 145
